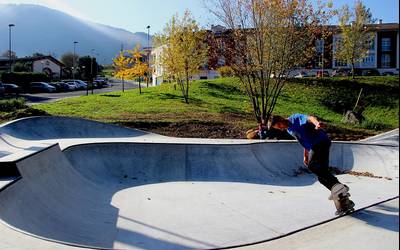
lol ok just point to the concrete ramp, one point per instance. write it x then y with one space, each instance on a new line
172 196
55 127
168 193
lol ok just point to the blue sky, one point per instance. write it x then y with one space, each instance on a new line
136 15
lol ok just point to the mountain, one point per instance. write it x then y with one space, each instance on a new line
49 31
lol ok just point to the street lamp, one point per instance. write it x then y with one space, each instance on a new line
9 51
148 55
91 70
73 63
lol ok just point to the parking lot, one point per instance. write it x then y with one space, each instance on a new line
114 85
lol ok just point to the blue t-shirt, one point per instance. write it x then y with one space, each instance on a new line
305 131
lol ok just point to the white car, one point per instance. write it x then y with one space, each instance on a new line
71 85
79 83
301 75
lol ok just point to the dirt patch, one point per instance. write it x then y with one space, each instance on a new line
337 171
219 129
199 125
21 113
190 129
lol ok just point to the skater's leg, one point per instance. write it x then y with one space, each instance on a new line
319 164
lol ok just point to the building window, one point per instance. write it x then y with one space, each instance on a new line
385 61
385 44
338 63
319 46
369 60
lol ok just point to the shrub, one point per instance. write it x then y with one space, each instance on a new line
9 105
374 125
225 71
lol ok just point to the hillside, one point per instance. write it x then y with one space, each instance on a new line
49 31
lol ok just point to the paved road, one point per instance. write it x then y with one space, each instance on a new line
116 85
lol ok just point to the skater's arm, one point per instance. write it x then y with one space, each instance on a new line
314 121
305 159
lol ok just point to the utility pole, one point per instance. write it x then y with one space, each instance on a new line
9 51
91 69
73 63
148 55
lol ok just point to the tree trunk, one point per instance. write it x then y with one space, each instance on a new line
187 90
140 87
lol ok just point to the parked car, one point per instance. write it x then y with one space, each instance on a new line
55 85
67 87
301 75
11 88
2 89
71 85
102 79
101 83
387 73
79 83
40 87
370 72
341 72
321 73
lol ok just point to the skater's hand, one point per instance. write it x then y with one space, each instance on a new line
320 125
305 160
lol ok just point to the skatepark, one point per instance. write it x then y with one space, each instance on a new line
69 183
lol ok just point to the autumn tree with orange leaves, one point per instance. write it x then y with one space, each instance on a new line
129 65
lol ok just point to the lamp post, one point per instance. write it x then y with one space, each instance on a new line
73 63
91 71
148 55
9 51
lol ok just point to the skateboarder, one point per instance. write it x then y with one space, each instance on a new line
309 132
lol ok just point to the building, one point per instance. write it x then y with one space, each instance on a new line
40 64
384 52
215 36
383 55
158 70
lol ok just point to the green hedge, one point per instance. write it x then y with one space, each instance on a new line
9 105
23 79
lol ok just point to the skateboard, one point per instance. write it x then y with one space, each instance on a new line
340 196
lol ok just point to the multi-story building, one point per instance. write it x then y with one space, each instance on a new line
382 56
384 51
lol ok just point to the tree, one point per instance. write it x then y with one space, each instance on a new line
121 64
129 65
68 59
184 50
23 67
356 37
88 66
7 54
270 38
37 54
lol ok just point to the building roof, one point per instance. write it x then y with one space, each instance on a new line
373 27
33 59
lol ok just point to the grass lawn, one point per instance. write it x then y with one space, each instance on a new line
219 108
